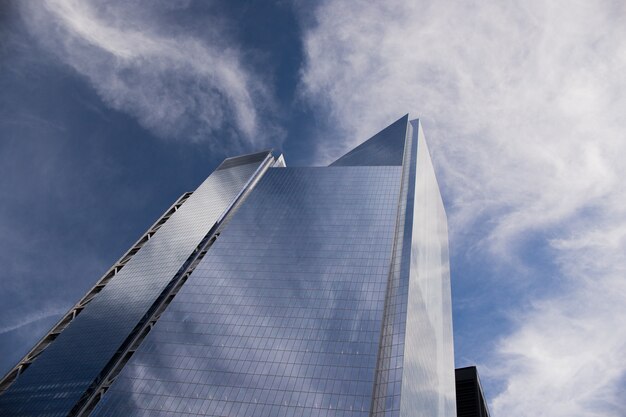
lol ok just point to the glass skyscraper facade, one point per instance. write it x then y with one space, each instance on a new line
269 291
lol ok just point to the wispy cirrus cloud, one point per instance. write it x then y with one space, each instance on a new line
523 107
39 315
179 79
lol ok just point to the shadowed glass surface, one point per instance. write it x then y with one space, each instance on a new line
384 148
56 380
283 315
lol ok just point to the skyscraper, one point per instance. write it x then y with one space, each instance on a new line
268 291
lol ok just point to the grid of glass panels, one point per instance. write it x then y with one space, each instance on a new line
428 370
391 147
283 315
56 380
388 383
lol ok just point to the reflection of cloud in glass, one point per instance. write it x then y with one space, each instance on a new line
284 312
54 383
427 382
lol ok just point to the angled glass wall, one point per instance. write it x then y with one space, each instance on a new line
59 377
323 292
283 315
428 365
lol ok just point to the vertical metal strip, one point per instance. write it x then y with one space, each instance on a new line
387 382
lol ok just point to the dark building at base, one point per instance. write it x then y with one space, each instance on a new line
470 399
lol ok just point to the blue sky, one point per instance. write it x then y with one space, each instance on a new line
112 109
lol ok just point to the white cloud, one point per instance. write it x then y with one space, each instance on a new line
31 318
176 81
523 108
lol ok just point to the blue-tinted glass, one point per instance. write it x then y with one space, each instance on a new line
327 293
56 380
283 315
428 371
387 390
384 148
415 369
253 158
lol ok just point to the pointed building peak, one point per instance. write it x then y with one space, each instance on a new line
384 148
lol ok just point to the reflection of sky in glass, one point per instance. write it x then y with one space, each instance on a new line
63 372
283 315
428 370
384 148
387 385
